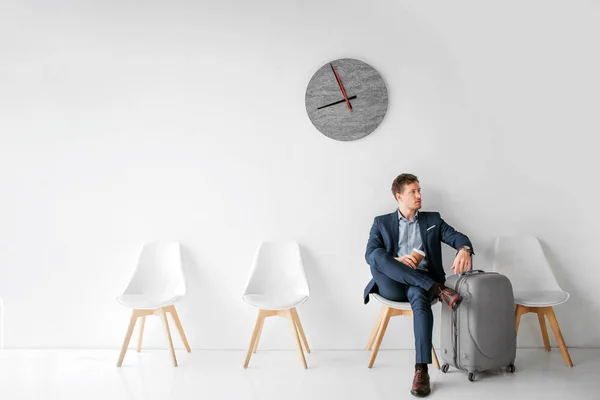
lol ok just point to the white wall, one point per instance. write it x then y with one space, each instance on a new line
123 122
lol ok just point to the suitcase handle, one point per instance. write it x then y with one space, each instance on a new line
475 271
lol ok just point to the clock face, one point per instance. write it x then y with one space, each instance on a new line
346 99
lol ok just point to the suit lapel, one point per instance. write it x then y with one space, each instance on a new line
423 228
395 229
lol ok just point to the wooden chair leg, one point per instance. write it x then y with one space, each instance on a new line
163 315
260 317
380 334
376 328
436 363
297 337
540 313
304 346
260 328
175 316
141 337
519 311
132 322
300 329
558 335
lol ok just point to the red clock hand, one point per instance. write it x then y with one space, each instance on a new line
339 81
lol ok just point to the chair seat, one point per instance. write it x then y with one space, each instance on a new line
541 298
280 301
147 302
398 305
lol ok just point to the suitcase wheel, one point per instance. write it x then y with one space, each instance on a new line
445 368
472 376
510 368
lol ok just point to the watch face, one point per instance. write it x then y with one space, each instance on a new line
346 99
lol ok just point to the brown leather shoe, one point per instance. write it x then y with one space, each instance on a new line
451 297
420 385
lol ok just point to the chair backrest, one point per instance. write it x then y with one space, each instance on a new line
278 268
522 260
159 271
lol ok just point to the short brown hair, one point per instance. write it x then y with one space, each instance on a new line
401 181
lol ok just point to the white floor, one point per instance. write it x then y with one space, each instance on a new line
278 375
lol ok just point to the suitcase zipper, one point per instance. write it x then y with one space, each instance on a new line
455 325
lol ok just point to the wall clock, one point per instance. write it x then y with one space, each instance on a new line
346 99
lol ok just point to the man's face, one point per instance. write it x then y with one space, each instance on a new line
411 196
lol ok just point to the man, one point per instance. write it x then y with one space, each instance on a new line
398 277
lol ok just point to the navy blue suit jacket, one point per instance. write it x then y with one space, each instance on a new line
383 244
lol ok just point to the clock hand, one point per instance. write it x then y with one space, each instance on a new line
337 77
336 102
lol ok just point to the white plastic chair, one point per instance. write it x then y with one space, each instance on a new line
277 285
156 285
388 310
535 288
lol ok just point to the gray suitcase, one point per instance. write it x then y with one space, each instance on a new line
481 334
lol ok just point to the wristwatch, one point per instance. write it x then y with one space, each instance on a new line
466 248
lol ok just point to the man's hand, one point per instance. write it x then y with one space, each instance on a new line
462 262
408 260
